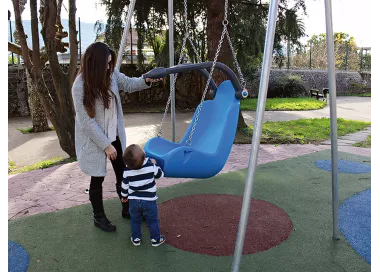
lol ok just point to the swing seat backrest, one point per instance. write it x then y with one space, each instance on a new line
213 129
211 142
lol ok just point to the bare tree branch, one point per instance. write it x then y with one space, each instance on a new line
21 33
35 36
58 22
60 34
73 42
16 49
22 5
48 15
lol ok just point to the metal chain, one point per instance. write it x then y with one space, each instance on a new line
188 32
189 140
224 33
242 80
225 11
159 134
195 50
225 24
181 56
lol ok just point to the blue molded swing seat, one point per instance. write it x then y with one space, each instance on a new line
211 143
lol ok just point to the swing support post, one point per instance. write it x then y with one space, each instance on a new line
264 80
125 33
267 60
171 64
333 116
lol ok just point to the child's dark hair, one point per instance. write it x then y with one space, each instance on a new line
134 157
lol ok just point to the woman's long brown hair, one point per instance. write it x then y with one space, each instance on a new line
96 76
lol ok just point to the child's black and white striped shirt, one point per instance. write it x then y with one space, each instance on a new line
140 183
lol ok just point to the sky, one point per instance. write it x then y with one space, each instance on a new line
348 16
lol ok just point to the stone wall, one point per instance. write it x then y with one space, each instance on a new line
366 77
346 82
152 95
18 93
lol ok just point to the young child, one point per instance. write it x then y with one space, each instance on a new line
139 188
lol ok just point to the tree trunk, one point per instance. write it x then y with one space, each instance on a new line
215 17
241 122
57 102
66 134
63 121
39 120
66 119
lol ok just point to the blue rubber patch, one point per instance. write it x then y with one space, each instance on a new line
355 223
347 167
18 258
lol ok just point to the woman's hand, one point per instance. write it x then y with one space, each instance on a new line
153 80
111 152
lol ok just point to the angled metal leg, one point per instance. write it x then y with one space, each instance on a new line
265 71
125 33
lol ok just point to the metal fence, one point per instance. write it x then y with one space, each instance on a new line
347 57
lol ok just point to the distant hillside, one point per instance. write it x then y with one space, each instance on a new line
87 33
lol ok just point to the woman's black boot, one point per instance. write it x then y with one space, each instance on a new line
100 219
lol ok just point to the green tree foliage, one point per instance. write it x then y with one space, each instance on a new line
247 19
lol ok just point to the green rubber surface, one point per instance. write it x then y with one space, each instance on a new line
66 240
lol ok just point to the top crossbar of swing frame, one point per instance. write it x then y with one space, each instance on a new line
161 72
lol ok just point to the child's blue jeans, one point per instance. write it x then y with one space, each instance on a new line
138 208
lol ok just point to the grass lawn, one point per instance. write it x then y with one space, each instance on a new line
303 131
13 169
356 94
365 94
282 104
30 130
365 144
273 104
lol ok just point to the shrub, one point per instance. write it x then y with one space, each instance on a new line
287 86
355 87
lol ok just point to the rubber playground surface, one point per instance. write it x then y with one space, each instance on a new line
289 228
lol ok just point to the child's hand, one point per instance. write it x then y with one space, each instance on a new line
124 200
153 161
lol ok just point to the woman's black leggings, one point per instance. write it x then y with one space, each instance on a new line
118 166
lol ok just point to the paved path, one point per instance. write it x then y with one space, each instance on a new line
348 107
63 186
352 138
27 149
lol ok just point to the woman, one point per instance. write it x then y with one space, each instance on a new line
99 126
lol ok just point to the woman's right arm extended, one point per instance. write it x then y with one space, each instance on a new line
89 125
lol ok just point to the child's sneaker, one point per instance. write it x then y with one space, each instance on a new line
136 241
156 243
